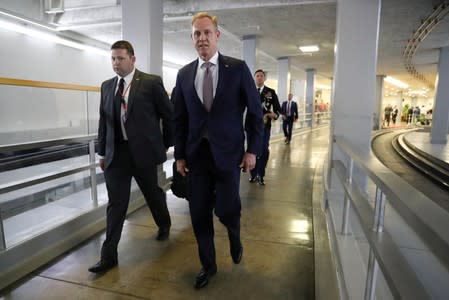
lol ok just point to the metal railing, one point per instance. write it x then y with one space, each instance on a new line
19 184
73 122
428 221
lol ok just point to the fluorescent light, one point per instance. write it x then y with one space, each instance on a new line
396 82
308 49
26 20
50 37
322 86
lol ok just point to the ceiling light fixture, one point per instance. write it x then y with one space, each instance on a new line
308 49
322 86
396 82
26 20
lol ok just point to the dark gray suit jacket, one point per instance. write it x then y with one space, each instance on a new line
148 105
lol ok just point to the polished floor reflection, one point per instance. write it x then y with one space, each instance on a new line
277 235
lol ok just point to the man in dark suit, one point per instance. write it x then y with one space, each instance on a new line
271 111
289 111
212 93
131 144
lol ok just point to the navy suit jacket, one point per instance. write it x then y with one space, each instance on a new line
224 123
148 104
293 109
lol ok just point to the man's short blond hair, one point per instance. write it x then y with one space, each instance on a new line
204 14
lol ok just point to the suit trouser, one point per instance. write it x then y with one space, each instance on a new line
118 182
212 189
262 159
287 126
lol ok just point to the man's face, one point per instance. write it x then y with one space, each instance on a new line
122 63
290 96
205 37
259 78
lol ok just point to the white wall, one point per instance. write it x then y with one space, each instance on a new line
50 113
26 57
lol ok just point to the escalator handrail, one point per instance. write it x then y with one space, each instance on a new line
47 143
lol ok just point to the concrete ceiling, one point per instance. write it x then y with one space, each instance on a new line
279 26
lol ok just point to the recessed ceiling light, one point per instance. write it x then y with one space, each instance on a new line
396 82
311 48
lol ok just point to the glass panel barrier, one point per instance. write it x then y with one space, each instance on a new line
33 113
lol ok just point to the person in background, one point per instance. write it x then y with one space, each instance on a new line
289 111
209 139
410 115
132 144
271 111
395 114
387 115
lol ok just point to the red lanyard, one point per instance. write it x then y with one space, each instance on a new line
124 103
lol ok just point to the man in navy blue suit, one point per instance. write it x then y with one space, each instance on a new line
212 93
289 111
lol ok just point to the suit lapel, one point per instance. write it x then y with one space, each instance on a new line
191 75
135 83
223 69
115 105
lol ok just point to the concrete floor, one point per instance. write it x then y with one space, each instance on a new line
277 236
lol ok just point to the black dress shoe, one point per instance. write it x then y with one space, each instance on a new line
261 181
103 265
163 233
236 254
202 279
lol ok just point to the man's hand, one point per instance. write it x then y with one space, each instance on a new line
248 162
181 167
101 163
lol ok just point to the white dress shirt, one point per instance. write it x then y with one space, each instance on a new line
200 75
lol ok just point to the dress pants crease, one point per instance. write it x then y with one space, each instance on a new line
118 177
212 190
262 160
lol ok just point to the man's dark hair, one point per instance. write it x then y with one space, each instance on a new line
260 70
124 45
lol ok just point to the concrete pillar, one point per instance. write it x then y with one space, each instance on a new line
249 52
298 89
440 116
283 78
354 94
310 95
142 25
377 107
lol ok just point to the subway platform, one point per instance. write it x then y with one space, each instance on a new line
280 236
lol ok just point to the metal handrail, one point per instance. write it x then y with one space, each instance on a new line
384 253
12 186
47 143
425 218
419 211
